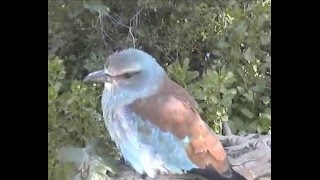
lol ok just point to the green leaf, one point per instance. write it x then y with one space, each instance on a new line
229 79
185 64
265 99
52 93
268 59
62 132
265 116
242 133
191 75
222 44
241 72
259 88
96 116
57 86
235 53
253 126
74 155
199 95
72 57
96 6
267 110
251 7
56 70
261 20
241 28
213 99
72 128
232 91
249 55
247 113
227 100
249 95
238 123
240 89
265 39
261 129
211 77
76 7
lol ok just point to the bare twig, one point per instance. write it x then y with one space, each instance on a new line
130 27
113 19
226 129
160 49
103 33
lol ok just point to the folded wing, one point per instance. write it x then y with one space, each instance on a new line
173 110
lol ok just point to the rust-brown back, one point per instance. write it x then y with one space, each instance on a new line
172 109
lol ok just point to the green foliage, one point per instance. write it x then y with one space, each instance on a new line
235 84
220 51
73 115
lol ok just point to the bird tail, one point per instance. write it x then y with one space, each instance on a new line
210 173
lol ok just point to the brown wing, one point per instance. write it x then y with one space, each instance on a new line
174 111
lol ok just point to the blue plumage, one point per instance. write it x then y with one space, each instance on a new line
145 152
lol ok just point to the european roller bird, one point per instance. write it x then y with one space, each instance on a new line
153 120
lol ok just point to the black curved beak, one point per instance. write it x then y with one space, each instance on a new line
99 76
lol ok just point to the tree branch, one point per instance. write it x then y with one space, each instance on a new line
248 155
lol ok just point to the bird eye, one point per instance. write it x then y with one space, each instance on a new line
127 75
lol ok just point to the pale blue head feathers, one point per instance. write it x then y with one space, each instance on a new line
128 75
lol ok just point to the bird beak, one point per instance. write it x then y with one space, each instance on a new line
101 76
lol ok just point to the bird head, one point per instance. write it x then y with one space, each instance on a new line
129 71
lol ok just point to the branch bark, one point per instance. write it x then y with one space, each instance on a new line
248 155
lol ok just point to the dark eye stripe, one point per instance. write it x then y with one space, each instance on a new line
128 75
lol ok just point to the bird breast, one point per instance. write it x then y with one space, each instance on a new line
144 146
